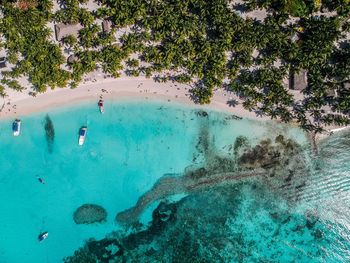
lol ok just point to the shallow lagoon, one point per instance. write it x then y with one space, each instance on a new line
126 151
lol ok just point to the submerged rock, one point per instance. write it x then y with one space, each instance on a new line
317 234
89 214
240 142
268 160
49 132
105 249
202 113
162 217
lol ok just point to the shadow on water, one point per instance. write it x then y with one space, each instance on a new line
49 133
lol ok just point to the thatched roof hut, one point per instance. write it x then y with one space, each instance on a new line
107 26
347 85
63 30
298 80
332 93
71 59
2 62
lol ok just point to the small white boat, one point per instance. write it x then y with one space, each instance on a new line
43 236
16 127
100 105
82 134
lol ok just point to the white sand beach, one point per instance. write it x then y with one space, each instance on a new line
19 104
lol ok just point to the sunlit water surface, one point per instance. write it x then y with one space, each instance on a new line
126 151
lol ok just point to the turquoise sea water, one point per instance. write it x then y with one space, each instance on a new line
134 144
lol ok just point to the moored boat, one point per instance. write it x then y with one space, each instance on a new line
41 180
82 135
101 107
16 127
42 236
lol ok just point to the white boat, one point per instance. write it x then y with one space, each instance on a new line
43 236
16 127
82 134
100 105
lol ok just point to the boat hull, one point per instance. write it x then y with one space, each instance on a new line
81 140
43 236
16 128
82 134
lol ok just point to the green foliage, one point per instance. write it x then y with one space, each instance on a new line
183 78
133 72
298 7
147 71
104 39
292 7
205 43
133 63
85 17
45 6
70 40
124 13
12 84
341 6
111 58
201 95
88 36
26 34
2 91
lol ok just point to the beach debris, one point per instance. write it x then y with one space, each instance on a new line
89 214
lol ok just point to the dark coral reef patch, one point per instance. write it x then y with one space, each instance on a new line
237 202
221 224
89 214
267 161
49 133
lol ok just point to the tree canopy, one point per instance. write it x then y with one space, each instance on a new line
207 44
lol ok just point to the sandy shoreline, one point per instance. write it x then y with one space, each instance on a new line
21 104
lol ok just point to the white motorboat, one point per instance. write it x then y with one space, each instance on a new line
43 236
16 127
100 105
82 135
